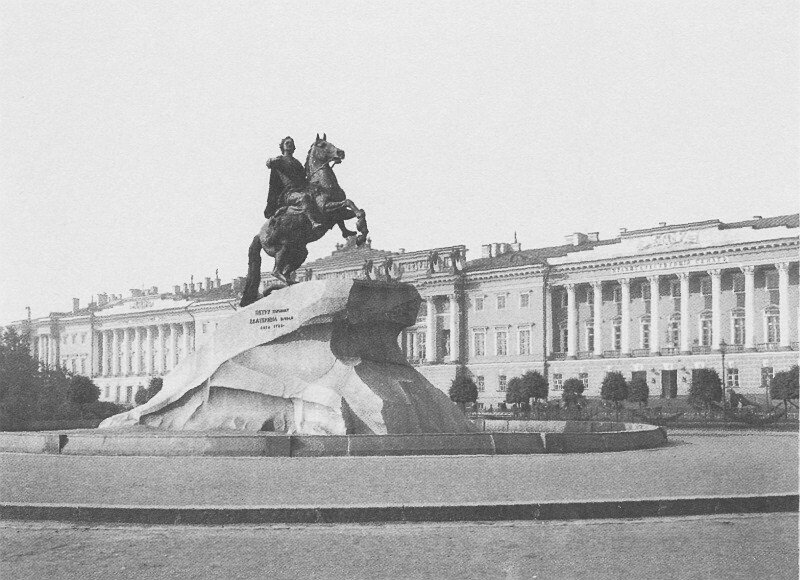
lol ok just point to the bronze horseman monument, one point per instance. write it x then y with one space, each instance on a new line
316 358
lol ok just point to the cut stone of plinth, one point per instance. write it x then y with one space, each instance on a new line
317 358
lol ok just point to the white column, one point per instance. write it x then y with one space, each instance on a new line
114 352
783 303
454 330
187 339
158 349
430 332
96 336
716 308
685 332
173 336
104 368
126 351
148 350
137 350
655 345
572 322
749 307
597 321
410 338
625 315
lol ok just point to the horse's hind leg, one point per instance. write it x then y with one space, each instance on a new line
250 292
361 226
345 232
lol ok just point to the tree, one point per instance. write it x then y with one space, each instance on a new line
82 390
154 386
572 394
141 397
784 386
19 381
519 392
614 389
463 390
706 388
638 391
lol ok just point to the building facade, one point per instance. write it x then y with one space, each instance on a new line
656 303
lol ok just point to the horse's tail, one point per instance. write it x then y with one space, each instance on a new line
250 292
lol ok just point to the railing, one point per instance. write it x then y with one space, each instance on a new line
669 350
768 346
640 352
611 354
734 348
585 354
701 349
558 355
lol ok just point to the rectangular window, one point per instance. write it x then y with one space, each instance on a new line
479 303
705 331
524 341
501 301
738 289
674 333
732 376
766 376
479 343
563 337
128 394
617 336
205 327
501 342
675 288
558 381
773 328
501 383
83 367
645 335
480 383
108 393
119 393
772 286
738 330
645 286
584 378
590 337
590 300
524 300
420 343
564 297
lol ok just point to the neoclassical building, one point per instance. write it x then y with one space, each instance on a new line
656 303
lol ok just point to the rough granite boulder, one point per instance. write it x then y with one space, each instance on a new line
317 358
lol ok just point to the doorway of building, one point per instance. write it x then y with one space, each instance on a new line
669 384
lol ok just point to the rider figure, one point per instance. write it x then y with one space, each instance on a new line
288 176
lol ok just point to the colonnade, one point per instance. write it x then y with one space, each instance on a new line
654 281
142 350
431 343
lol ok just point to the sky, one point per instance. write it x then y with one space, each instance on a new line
134 135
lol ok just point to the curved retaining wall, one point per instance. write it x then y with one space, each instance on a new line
497 438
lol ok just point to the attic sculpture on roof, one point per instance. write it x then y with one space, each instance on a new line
303 203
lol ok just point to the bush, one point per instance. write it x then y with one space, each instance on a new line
19 381
155 385
102 409
638 391
519 392
706 388
784 386
463 390
141 396
573 392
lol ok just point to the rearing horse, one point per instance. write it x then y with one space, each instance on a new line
287 233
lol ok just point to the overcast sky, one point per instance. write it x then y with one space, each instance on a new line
133 135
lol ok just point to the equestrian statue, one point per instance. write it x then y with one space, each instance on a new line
303 203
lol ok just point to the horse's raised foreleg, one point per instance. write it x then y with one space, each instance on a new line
250 292
345 232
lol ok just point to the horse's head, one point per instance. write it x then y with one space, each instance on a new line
323 152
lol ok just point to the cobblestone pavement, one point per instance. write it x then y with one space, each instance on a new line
690 465
726 547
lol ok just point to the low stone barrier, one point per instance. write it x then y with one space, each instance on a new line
504 437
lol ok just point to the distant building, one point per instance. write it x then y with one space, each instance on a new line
656 303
